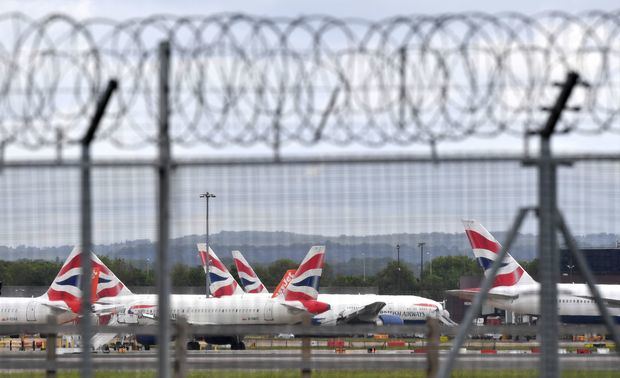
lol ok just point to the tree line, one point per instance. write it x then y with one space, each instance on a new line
441 274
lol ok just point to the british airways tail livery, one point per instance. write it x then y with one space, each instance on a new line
222 282
66 286
305 285
515 290
486 249
62 299
249 280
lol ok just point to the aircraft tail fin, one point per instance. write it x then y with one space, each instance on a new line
305 284
249 279
286 279
66 286
222 282
486 248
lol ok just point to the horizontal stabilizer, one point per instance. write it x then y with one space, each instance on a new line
294 307
469 294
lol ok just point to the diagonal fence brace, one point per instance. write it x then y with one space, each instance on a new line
587 273
446 368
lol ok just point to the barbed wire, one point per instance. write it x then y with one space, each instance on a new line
246 80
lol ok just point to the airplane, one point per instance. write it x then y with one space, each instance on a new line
515 290
297 302
352 308
62 299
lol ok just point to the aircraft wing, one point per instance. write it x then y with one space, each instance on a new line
366 314
100 339
469 294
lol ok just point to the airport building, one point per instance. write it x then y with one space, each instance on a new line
604 263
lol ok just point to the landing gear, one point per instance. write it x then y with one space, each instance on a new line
193 345
237 346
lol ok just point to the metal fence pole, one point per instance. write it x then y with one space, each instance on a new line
587 273
2 148
402 97
163 215
547 240
432 352
180 350
479 299
86 230
50 353
306 353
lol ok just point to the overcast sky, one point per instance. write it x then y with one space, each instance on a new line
315 199
351 8
363 9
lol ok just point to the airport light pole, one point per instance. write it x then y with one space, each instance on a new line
148 270
430 260
206 196
364 264
398 264
421 246
570 268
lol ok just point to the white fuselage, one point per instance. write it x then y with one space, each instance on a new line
199 310
410 308
32 311
574 303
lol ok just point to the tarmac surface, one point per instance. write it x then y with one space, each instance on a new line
320 360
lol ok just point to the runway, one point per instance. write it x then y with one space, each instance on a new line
320 360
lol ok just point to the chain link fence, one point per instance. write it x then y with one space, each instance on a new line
390 224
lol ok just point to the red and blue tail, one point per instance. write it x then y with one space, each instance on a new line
66 286
249 280
305 285
486 249
222 282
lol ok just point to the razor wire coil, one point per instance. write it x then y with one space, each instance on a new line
245 80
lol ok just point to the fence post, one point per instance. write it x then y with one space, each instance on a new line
589 276
86 370
306 371
163 215
50 352
446 369
180 349
402 97
2 147
432 350
547 240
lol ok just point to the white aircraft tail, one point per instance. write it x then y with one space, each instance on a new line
486 248
305 284
249 279
66 286
222 282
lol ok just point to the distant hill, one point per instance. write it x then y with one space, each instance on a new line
344 252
